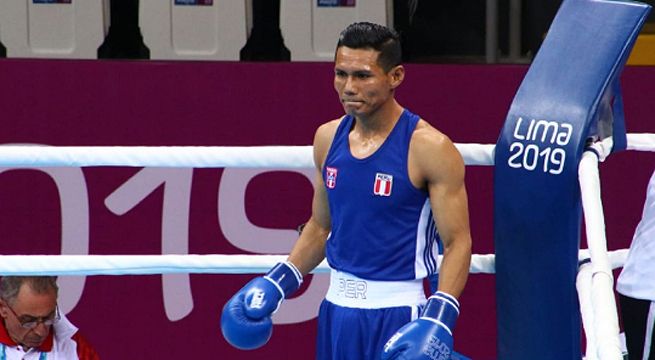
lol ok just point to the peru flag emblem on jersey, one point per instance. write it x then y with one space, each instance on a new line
382 186
331 177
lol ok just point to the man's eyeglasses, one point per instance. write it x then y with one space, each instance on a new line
30 322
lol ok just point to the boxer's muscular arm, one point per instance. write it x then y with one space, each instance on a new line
436 162
309 250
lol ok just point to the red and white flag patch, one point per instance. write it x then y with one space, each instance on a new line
382 185
331 177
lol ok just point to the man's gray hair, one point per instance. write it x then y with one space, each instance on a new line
10 285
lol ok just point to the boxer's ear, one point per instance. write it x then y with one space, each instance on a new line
396 76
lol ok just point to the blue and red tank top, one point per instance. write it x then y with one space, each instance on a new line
382 225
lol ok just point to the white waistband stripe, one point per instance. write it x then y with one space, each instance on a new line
351 291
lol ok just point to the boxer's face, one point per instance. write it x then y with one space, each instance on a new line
362 84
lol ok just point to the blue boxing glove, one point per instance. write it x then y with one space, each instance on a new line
430 337
246 319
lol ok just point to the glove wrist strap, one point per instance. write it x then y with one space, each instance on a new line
442 307
286 276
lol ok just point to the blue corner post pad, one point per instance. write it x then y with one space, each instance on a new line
457 356
569 96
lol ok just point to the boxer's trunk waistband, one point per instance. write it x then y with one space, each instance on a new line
350 291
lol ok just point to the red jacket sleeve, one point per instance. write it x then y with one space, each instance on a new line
85 350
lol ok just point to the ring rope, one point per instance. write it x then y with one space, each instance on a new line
187 156
215 156
595 281
158 156
641 142
191 264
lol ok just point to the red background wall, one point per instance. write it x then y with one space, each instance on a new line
207 103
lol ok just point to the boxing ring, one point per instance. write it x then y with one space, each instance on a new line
136 103
595 280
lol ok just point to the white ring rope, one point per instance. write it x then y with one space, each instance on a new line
601 320
189 264
158 156
477 154
187 156
214 156
641 142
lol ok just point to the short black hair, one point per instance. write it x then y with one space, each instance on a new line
366 35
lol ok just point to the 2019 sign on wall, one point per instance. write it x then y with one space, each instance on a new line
238 230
